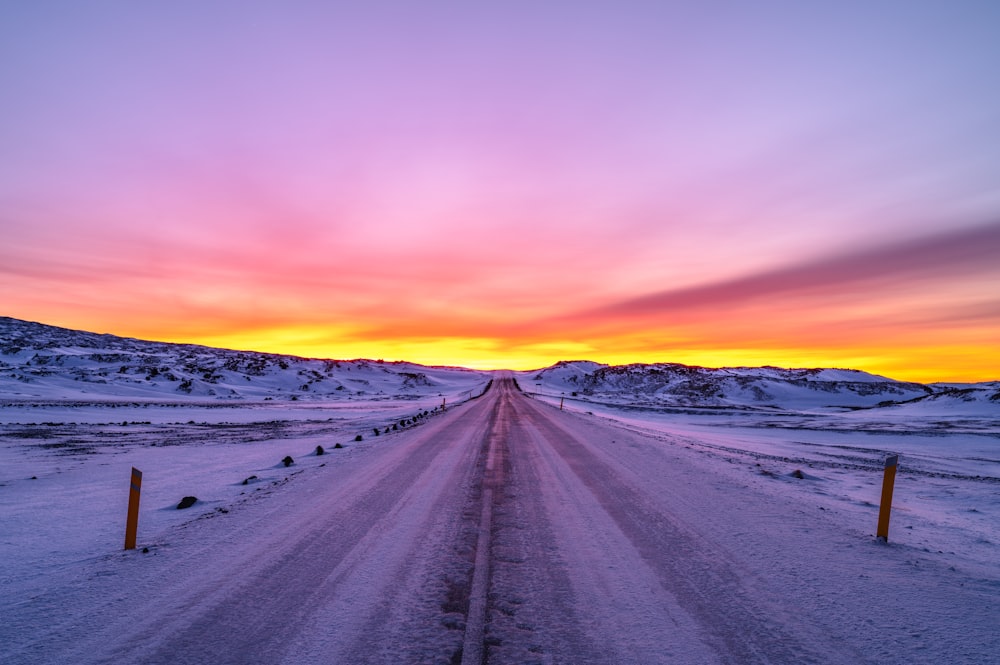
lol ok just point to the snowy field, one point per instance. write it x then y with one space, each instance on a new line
946 502
78 410
790 498
65 467
766 481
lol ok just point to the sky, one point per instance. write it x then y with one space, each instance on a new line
511 184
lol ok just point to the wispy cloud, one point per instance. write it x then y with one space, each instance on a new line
939 258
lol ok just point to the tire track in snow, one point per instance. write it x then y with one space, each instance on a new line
534 616
474 643
258 615
732 623
565 585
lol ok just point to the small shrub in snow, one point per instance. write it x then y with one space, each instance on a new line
246 481
187 502
319 450
338 446
288 461
376 431
359 438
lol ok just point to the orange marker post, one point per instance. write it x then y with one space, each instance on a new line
888 480
132 523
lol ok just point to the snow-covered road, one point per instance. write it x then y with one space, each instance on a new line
507 531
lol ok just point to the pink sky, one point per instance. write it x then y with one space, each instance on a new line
511 185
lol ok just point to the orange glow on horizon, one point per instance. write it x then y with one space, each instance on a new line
899 312
973 362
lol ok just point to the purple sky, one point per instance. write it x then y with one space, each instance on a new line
421 179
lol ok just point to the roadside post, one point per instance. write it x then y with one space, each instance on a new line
443 401
888 480
561 403
132 523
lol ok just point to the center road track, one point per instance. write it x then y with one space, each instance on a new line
497 533
590 565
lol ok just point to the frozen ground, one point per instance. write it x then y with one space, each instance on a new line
947 491
501 530
65 467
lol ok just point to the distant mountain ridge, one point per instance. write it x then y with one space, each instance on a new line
39 361
47 362
676 385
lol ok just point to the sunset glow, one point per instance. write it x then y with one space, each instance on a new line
514 185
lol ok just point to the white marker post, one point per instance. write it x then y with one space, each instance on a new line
888 480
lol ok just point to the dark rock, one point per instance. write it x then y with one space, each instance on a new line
187 502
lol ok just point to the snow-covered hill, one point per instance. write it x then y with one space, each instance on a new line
670 384
45 362
40 362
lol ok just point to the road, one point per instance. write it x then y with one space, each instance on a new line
504 531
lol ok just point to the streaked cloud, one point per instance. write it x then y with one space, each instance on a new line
951 256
